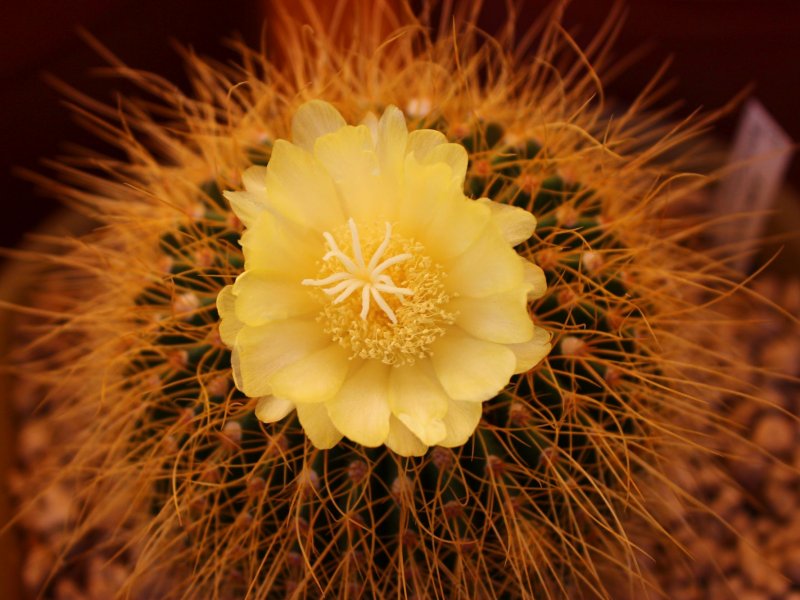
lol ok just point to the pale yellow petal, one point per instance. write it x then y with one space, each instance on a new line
469 368
347 153
301 189
261 351
255 179
430 432
314 378
488 266
261 299
422 141
451 233
283 249
247 206
461 420
427 191
516 224
501 318
392 138
312 120
429 147
416 398
229 324
453 155
529 354
238 379
349 156
535 279
434 211
402 441
270 409
361 408
371 122
318 426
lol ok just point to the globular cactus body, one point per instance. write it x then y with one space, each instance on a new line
217 503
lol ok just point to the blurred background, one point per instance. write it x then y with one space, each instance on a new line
717 47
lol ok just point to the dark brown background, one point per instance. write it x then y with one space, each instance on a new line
718 47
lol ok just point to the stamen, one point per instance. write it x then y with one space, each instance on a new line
328 280
406 285
382 248
364 303
332 291
358 274
356 242
382 287
389 262
335 252
352 287
382 303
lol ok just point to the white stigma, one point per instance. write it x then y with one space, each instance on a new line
369 277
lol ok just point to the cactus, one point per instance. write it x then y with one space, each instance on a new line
210 502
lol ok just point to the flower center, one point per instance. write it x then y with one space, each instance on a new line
371 278
405 286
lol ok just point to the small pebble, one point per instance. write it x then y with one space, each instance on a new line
775 433
782 355
33 441
51 510
105 578
752 595
756 569
67 589
37 566
791 564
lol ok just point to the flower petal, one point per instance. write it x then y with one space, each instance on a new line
417 399
349 156
301 189
529 354
313 119
427 191
431 147
247 206
261 351
229 324
261 299
461 420
489 266
516 224
255 179
450 232
535 279
361 408
392 139
271 408
434 210
318 426
402 441
471 369
275 246
501 318
314 378
371 121
422 141
347 153
453 155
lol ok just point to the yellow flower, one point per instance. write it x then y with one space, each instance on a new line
377 300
